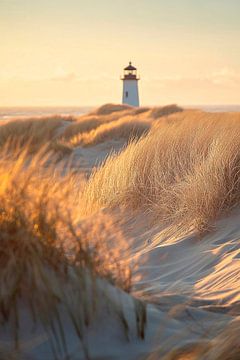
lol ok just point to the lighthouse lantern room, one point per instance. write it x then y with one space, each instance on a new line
130 86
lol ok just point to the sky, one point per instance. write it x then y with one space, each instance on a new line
72 52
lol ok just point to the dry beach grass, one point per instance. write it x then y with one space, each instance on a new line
51 260
61 239
185 170
114 122
33 133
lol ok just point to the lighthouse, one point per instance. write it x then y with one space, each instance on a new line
130 86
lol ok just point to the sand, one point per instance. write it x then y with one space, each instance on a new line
191 285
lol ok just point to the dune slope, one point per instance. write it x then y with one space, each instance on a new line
144 215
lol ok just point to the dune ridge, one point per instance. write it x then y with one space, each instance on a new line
185 170
138 257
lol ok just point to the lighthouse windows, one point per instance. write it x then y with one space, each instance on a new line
126 94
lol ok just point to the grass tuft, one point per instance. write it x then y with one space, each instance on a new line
50 259
184 171
33 134
111 108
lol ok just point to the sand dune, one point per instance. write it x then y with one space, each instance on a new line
152 195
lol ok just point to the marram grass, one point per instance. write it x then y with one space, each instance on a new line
49 258
33 134
184 171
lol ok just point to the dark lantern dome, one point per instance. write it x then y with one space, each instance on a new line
130 67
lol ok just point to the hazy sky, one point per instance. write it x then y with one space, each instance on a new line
71 52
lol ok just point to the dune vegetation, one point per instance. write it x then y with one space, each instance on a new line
113 122
60 134
70 244
108 109
224 347
184 171
126 128
34 133
52 261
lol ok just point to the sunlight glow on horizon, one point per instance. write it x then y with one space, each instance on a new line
73 53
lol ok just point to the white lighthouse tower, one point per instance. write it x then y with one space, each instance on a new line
130 86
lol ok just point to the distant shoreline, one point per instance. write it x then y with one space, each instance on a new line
18 112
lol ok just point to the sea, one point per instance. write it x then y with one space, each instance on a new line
22 112
28 111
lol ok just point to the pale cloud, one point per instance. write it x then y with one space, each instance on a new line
68 77
225 76
65 86
59 74
222 76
